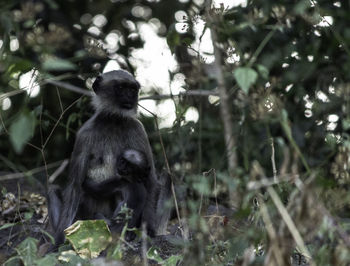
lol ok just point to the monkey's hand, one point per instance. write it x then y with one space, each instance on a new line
132 165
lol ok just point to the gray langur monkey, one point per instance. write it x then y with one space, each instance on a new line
111 165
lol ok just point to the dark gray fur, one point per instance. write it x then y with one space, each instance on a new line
111 164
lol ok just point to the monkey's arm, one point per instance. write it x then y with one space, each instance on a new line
133 166
105 188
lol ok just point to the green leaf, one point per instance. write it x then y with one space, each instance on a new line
238 245
6 22
173 38
80 54
52 4
29 23
153 254
89 237
71 119
331 139
69 257
346 123
27 251
28 215
245 77
7 225
13 261
117 252
49 259
22 130
263 71
202 186
173 260
187 40
19 65
57 64
301 7
285 123
52 239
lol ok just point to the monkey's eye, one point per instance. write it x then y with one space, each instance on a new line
118 88
121 86
134 89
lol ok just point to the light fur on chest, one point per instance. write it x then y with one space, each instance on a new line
105 171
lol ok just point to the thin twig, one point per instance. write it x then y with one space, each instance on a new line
216 192
287 130
3 124
40 123
205 174
204 93
30 172
73 88
290 224
127 243
68 86
10 94
212 170
274 170
261 47
270 230
7 241
201 201
144 245
59 99
58 171
270 181
45 164
19 195
33 146
58 121
167 164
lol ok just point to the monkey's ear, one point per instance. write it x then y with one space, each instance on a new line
96 84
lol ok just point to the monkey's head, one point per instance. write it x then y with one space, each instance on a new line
116 93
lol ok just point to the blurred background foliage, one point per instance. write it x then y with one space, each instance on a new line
286 66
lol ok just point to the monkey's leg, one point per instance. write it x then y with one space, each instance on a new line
100 216
134 197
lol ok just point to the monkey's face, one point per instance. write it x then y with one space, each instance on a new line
118 88
123 94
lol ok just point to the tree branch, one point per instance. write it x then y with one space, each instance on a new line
79 90
30 172
68 86
204 93
225 109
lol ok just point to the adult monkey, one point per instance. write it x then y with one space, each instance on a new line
111 165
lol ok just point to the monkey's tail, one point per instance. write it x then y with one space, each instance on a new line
164 203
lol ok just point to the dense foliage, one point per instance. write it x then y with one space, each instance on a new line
286 70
